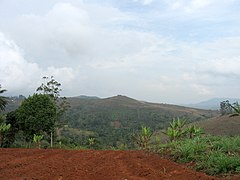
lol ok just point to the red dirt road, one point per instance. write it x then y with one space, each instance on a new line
90 164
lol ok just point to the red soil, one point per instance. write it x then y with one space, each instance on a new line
90 164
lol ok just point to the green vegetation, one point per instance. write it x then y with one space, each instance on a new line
3 129
114 120
118 123
3 100
176 129
211 154
52 88
143 138
37 140
227 108
36 115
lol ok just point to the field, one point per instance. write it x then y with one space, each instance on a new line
90 164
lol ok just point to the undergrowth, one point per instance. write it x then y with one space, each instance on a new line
210 154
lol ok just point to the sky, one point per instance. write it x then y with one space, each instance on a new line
164 51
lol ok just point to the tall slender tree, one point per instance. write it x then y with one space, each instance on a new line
52 88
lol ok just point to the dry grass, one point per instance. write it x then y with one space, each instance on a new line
223 125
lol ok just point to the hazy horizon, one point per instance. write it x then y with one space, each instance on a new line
170 51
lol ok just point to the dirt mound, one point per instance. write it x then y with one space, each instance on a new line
90 164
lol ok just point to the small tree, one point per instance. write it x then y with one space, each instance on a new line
225 108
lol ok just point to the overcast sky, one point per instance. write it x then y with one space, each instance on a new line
171 51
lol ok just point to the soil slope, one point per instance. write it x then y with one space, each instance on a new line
90 164
223 125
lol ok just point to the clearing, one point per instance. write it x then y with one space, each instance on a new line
90 164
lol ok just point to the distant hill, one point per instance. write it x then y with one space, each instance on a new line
213 104
113 120
223 125
87 97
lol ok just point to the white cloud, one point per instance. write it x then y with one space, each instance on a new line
93 50
18 75
207 7
144 2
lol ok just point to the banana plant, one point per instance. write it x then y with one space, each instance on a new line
176 129
37 140
91 141
143 138
194 131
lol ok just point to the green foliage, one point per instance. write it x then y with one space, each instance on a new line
53 89
194 131
211 154
143 138
190 149
176 129
37 140
91 141
36 115
226 146
14 129
227 108
3 129
3 100
217 162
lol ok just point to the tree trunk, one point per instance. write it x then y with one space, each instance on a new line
51 143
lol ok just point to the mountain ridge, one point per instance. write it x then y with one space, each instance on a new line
212 104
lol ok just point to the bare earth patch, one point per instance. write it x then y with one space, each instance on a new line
90 164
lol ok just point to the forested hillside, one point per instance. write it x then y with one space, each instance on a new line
112 121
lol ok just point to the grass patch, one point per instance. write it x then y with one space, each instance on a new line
210 154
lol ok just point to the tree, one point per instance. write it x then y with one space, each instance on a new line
53 89
3 100
36 115
225 108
